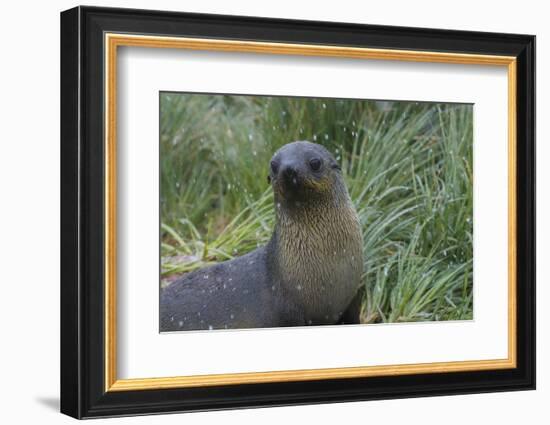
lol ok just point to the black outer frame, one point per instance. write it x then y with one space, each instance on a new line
82 217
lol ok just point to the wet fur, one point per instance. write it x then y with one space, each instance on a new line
308 273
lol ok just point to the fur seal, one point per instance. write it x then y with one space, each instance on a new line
307 274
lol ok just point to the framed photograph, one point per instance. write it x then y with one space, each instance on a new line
261 212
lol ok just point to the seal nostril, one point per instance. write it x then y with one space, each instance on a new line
289 172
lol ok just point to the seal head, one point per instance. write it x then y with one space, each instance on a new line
303 171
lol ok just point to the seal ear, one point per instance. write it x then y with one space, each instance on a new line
268 179
336 166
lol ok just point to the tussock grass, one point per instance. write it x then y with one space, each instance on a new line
407 165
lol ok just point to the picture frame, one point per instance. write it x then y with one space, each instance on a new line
90 41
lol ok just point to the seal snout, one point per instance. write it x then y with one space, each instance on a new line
292 179
290 175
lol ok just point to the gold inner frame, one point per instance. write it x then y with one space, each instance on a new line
113 41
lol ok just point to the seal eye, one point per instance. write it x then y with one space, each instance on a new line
315 164
274 167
